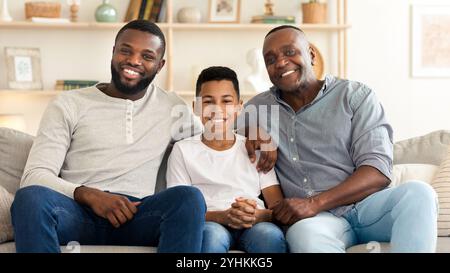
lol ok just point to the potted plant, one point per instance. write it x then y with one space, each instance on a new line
314 12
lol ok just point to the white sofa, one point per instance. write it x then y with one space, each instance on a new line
416 158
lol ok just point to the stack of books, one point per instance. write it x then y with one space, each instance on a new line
151 10
272 19
73 84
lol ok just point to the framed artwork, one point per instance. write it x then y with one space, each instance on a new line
430 41
23 68
224 11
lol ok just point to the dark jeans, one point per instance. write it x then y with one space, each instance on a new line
173 220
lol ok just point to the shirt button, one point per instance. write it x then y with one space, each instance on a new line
295 159
305 180
310 193
293 117
292 139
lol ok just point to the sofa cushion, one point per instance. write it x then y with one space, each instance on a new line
6 229
402 173
14 149
441 184
427 149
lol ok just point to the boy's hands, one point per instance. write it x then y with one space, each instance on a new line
242 213
116 208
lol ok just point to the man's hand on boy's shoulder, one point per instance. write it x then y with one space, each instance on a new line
263 142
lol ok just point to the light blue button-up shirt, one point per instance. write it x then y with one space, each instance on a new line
324 142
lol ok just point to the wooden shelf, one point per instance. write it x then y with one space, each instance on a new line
234 27
9 92
174 26
78 25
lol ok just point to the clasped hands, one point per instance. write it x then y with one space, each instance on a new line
241 214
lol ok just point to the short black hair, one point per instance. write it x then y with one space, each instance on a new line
217 73
145 26
282 27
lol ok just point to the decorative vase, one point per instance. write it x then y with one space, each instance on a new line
189 15
4 15
106 13
314 13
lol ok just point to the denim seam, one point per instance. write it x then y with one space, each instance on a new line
374 222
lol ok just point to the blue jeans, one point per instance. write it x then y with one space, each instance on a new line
263 237
173 220
405 216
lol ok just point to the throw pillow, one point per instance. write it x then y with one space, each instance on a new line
14 149
441 184
402 173
6 229
428 149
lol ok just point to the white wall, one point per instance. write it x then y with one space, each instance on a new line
380 55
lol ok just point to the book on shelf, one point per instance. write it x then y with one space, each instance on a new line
267 19
162 12
148 9
142 9
73 84
151 10
133 10
156 11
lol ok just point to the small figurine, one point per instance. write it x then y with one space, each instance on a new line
74 8
268 8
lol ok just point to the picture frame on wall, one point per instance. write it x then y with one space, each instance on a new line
430 41
23 67
224 11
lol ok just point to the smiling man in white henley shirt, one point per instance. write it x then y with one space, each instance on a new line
91 173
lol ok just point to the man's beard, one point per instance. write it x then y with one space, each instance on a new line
127 89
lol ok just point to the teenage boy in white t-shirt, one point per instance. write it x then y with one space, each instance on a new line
216 162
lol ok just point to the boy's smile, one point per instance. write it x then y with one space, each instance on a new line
220 105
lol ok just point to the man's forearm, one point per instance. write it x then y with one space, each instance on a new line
217 217
84 195
263 215
362 183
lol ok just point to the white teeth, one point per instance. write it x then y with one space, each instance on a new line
131 72
287 73
217 120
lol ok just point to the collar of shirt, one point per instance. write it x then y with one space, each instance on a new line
276 92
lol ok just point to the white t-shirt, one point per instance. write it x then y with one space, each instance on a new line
221 176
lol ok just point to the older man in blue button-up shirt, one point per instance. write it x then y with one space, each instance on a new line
335 159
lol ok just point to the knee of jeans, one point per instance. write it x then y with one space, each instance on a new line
192 196
216 232
305 236
268 230
216 238
420 193
31 198
265 237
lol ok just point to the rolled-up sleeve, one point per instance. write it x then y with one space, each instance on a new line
372 135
